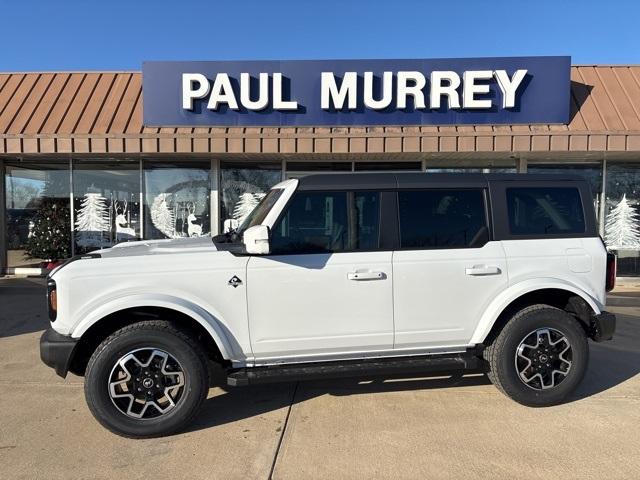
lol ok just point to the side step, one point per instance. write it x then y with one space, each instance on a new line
351 368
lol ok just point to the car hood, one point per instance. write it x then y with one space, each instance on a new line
158 247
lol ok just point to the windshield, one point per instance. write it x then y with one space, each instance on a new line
259 213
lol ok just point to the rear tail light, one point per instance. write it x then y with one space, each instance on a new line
611 272
52 300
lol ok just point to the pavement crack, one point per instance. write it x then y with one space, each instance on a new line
284 429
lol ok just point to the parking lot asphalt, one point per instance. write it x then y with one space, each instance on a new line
446 427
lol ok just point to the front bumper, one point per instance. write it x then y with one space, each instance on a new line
603 326
56 350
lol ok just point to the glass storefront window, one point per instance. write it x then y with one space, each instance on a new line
177 200
106 203
302 169
242 186
387 166
37 213
472 170
592 173
622 215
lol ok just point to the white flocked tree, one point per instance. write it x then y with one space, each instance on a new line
92 220
246 203
621 227
163 217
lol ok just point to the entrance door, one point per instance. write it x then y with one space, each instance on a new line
326 290
446 271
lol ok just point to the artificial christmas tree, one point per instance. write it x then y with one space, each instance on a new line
246 203
50 232
621 227
92 221
162 217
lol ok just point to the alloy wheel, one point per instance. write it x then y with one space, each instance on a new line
146 383
543 358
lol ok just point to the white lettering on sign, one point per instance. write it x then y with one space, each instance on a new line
449 88
189 93
222 92
387 91
471 88
414 90
330 94
509 86
278 102
263 92
377 93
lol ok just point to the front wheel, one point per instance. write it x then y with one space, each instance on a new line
539 357
146 380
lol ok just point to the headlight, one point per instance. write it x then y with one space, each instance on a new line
52 300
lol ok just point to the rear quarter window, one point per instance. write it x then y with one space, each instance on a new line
545 211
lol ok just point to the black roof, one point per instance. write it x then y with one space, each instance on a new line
381 181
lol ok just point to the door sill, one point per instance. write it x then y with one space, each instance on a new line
353 368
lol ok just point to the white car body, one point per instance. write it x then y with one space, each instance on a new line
300 308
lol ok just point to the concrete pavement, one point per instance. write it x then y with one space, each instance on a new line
451 427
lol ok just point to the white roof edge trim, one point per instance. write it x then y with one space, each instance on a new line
292 182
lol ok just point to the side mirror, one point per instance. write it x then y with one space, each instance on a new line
256 240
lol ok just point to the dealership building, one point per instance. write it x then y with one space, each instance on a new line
90 159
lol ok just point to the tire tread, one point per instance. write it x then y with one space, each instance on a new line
161 326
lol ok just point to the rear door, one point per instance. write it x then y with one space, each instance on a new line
447 269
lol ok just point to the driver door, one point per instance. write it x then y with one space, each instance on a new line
326 291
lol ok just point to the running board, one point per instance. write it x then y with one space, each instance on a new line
351 368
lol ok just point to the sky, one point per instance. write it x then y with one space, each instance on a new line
119 35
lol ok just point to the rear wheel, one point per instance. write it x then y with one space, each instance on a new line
539 357
146 380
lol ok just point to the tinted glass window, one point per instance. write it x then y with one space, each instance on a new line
442 218
545 211
325 222
261 210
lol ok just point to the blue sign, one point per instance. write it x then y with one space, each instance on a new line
514 90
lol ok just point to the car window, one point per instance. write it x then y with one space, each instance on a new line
325 222
442 218
261 210
545 210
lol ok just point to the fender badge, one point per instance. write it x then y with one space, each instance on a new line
235 282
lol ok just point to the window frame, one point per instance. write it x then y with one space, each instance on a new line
487 216
383 213
500 211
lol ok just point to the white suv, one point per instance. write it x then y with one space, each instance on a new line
337 275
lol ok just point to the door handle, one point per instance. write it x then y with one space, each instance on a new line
479 270
357 276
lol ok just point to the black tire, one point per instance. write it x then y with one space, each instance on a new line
156 334
501 356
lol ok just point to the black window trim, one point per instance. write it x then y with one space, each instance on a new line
502 229
487 216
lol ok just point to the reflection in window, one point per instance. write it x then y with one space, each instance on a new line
242 186
545 211
472 170
177 200
325 222
106 204
622 215
592 173
37 213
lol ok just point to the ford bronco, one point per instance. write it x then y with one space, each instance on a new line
342 275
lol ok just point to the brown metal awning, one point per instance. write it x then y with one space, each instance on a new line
101 112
